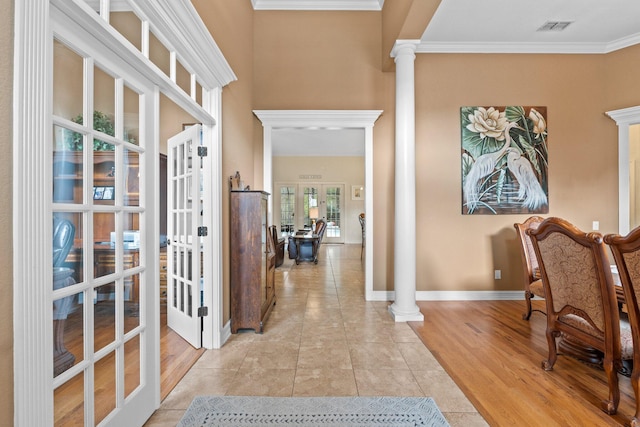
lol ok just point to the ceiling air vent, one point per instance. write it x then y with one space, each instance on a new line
554 26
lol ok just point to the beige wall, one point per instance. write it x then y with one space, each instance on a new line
582 159
336 170
6 260
230 23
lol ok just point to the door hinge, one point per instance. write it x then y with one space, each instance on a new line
202 231
202 151
203 311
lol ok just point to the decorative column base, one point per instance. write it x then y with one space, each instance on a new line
400 315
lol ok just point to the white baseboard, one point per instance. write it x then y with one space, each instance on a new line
454 295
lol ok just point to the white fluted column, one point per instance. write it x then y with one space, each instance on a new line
404 307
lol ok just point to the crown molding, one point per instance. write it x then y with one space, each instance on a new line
367 5
540 48
317 119
627 41
625 116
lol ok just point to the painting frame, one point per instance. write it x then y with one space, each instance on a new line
357 192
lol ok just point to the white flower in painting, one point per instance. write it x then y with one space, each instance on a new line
539 124
488 123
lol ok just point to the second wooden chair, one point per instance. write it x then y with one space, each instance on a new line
580 297
626 252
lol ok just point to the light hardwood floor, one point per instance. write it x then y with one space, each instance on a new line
494 357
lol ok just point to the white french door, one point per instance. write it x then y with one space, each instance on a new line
103 210
302 204
323 201
85 160
184 228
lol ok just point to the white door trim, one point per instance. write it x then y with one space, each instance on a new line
364 119
32 308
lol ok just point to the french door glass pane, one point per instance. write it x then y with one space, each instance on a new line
132 178
67 169
132 365
104 317
67 249
105 392
104 234
333 209
287 209
68 399
131 118
104 170
132 297
67 81
104 102
310 205
68 337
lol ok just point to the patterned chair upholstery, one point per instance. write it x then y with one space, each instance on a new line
532 282
580 297
626 252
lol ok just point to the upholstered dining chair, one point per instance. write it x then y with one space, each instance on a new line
626 252
532 282
580 297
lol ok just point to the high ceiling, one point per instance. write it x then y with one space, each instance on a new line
481 26
595 26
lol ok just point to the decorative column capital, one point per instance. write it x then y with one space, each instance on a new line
404 47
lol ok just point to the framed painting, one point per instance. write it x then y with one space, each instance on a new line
357 192
504 160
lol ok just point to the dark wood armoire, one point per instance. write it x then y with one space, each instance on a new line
253 261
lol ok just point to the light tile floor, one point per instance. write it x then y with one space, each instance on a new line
322 339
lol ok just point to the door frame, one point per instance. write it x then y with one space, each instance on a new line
333 119
32 169
624 118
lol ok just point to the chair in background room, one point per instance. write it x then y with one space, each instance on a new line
362 225
532 283
63 234
626 252
308 249
278 244
580 297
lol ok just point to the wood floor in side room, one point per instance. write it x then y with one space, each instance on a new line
494 356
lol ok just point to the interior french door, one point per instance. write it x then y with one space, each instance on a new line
323 201
103 339
184 227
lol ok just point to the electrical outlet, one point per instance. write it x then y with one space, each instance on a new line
497 274
596 225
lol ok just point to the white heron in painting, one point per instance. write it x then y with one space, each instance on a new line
529 190
482 167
